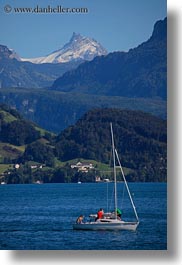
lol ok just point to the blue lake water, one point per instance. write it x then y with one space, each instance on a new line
36 217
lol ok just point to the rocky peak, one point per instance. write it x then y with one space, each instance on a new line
79 48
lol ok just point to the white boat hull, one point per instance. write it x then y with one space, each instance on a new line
107 225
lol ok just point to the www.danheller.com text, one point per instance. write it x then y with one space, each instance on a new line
49 9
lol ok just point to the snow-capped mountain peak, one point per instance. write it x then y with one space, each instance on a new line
78 48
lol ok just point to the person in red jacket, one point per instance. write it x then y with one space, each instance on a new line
100 214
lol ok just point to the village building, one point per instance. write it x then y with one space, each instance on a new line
83 167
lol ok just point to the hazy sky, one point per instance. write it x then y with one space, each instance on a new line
116 24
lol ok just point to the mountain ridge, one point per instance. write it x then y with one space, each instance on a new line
18 72
15 73
140 72
78 48
140 139
54 110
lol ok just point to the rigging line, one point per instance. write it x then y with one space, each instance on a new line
127 186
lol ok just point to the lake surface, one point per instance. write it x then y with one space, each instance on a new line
41 216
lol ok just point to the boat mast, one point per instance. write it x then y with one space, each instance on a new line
114 171
127 186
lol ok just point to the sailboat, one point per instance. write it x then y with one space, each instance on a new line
110 221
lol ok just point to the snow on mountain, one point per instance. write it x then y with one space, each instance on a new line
78 48
7 53
14 55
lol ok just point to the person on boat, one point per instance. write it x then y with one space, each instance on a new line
80 219
100 214
119 213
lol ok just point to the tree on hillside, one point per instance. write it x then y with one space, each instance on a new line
39 152
19 132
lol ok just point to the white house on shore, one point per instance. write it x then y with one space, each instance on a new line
83 167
